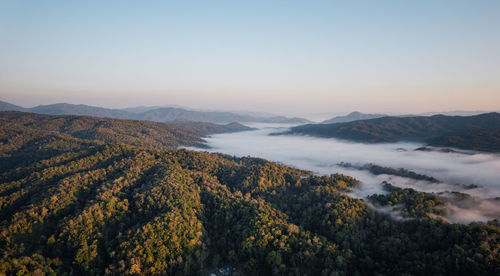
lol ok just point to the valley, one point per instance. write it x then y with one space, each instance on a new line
113 202
401 164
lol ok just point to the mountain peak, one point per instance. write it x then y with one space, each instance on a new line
353 116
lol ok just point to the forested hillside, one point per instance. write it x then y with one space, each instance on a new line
479 132
105 203
139 133
482 140
204 129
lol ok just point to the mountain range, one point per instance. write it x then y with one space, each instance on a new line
356 115
156 114
133 132
96 196
479 132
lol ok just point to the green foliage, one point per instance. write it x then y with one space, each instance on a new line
479 132
20 128
81 206
412 203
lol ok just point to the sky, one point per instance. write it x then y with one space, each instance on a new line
286 57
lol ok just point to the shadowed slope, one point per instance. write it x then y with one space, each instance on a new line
478 132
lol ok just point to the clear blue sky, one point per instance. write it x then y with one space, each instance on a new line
282 56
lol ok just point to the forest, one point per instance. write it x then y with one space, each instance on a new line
81 195
478 132
377 170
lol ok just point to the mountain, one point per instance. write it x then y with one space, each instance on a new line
167 114
457 113
480 140
80 109
353 116
137 133
254 113
205 129
4 106
479 132
142 109
284 120
83 196
162 114
71 109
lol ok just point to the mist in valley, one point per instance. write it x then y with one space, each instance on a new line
456 171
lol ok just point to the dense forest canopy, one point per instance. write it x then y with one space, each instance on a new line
479 132
80 195
138 133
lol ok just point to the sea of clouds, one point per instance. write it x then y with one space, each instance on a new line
322 156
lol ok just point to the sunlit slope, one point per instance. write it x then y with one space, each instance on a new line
139 133
88 207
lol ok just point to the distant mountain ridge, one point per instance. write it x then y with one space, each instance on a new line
353 116
167 114
458 113
161 114
4 106
80 109
479 132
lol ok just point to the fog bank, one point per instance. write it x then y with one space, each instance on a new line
322 155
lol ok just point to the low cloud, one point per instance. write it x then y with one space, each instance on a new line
319 155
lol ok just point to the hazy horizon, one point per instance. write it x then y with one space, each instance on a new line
313 116
291 57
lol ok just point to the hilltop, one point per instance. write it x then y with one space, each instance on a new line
353 116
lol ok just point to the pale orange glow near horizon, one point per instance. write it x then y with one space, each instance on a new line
293 58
